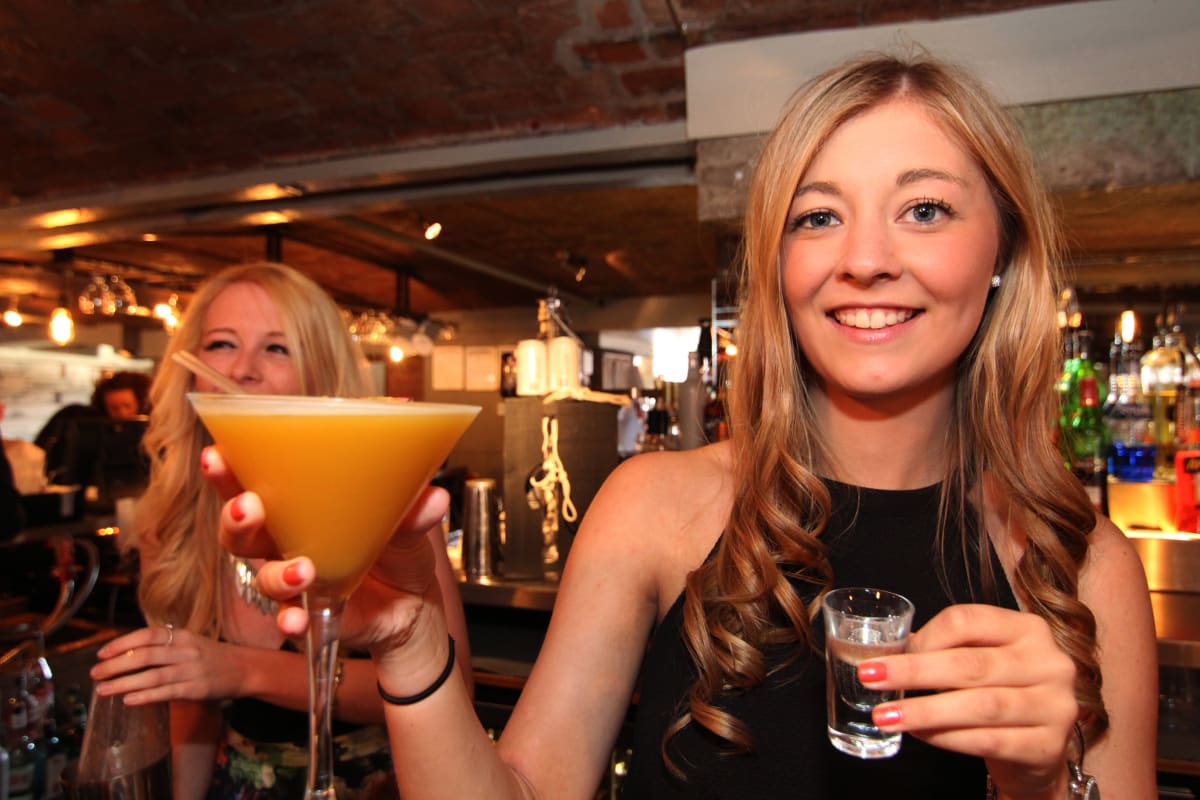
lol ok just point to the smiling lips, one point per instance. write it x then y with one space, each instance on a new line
872 317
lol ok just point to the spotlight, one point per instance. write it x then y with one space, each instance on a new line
574 263
433 230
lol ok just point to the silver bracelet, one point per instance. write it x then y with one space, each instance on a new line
1081 786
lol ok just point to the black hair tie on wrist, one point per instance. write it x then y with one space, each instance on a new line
433 687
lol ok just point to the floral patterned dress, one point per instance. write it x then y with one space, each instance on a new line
256 770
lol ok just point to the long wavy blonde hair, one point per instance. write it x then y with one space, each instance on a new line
1001 422
182 563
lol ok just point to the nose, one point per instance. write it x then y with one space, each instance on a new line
868 256
245 369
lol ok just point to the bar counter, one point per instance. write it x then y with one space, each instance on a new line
496 592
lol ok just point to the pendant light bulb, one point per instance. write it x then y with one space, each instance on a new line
12 317
62 326
1128 325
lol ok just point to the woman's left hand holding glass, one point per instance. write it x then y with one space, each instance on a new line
1004 691
158 664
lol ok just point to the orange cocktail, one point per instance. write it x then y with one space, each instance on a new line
335 475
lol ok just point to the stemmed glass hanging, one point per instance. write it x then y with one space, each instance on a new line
108 296
124 300
97 297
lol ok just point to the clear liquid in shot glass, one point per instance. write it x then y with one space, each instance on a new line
850 727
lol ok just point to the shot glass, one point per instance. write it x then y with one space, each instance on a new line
861 624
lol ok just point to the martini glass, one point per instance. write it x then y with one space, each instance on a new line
337 476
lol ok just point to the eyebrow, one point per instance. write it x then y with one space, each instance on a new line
227 331
821 187
915 175
906 178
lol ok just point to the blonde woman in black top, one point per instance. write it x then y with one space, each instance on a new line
897 336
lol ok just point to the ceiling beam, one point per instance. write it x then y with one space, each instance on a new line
472 264
575 152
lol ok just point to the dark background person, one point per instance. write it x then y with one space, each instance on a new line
12 512
122 395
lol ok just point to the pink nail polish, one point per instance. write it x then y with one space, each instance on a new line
291 575
869 671
886 715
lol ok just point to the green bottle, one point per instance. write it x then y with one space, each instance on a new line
1089 444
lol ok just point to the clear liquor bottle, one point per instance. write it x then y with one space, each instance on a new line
1068 385
1166 372
1132 454
23 747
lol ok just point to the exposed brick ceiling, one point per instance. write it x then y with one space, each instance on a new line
104 98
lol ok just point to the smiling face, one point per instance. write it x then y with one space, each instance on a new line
887 256
243 339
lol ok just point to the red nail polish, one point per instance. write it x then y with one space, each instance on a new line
204 460
869 671
236 511
886 715
291 574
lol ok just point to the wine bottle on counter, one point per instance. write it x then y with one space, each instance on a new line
24 749
693 399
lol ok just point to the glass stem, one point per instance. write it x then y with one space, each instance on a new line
324 619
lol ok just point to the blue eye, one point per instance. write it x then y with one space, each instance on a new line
927 211
813 220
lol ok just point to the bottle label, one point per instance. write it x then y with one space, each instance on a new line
20 781
55 765
18 716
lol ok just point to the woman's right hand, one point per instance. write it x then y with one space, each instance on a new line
399 600
160 664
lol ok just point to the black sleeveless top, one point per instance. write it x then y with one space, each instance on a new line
883 539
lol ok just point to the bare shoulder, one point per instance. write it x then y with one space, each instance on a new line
1112 567
668 490
659 514
1112 583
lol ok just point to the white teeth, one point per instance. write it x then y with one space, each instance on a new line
872 318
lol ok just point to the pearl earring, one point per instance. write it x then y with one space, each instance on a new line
996 281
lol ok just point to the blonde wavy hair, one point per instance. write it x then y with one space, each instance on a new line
1001 423
182 563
